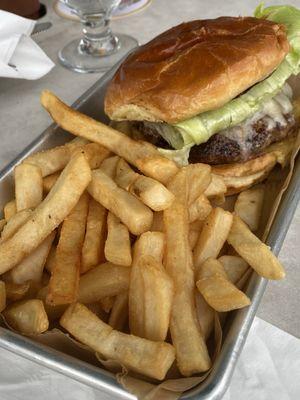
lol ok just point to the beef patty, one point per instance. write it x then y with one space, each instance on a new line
222 149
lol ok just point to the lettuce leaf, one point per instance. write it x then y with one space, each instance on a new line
201 127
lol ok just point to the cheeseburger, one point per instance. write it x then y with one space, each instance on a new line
212 91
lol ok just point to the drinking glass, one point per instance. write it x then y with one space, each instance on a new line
99 48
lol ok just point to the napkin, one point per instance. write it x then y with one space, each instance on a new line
20 56
268 369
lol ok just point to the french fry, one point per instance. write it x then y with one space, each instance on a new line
141 154
2 224
49 181
28 317
63 286
213 235
234 266
119 312
109 166
217 290
14 223
49 265
148 190
95 234
248 206
117 247
191 351
107 303
198 180
149 243
106 280
199 209
31 268
2 296
253 251
28 186
10 209
158 296
48 215
152 359
206 315
16 291
131 211
93 152
194 232
216 187
158 222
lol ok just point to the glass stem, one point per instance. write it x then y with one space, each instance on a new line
98 39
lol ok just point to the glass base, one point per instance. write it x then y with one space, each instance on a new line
72 58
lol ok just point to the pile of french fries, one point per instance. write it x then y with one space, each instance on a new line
130 253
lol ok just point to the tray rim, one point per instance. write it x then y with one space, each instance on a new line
216 384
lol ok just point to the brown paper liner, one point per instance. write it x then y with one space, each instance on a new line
173 387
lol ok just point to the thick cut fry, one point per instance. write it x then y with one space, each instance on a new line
2 225
234 266
141 154
149 243
107 303
93 152
213 235
158 222
149 358
131 211
253 251
31 268
95 234
206 315
151 192
15 291
63 286
194 232
158 296
119 312
117 248
28 317
198 180
49 181
2 296
106 280
109 166
48 215
10 209
216 187
14 223
49 265
191 351
248 206
216 288
28 186
199 209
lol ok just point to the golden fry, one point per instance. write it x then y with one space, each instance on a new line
117 248
49 181
17 291
234 266
63 286
10 209
248 206
119 312
199 209
109 166
2 296
49 265
216 187
158 222
2 225
213 235
48 215
28 186
253 251
149 358
14 223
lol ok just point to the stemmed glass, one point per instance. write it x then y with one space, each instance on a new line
99 48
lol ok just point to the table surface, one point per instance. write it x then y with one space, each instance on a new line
23 119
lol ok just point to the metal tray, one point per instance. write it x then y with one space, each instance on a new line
213 388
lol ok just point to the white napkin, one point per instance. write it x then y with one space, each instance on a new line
268 369
20 56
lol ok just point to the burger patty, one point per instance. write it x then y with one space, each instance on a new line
221 149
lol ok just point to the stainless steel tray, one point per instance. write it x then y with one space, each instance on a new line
214 387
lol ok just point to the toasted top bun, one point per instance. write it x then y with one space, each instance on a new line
195 67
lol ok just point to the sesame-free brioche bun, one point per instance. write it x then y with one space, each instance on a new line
195 67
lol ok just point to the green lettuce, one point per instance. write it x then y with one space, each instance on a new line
201 127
